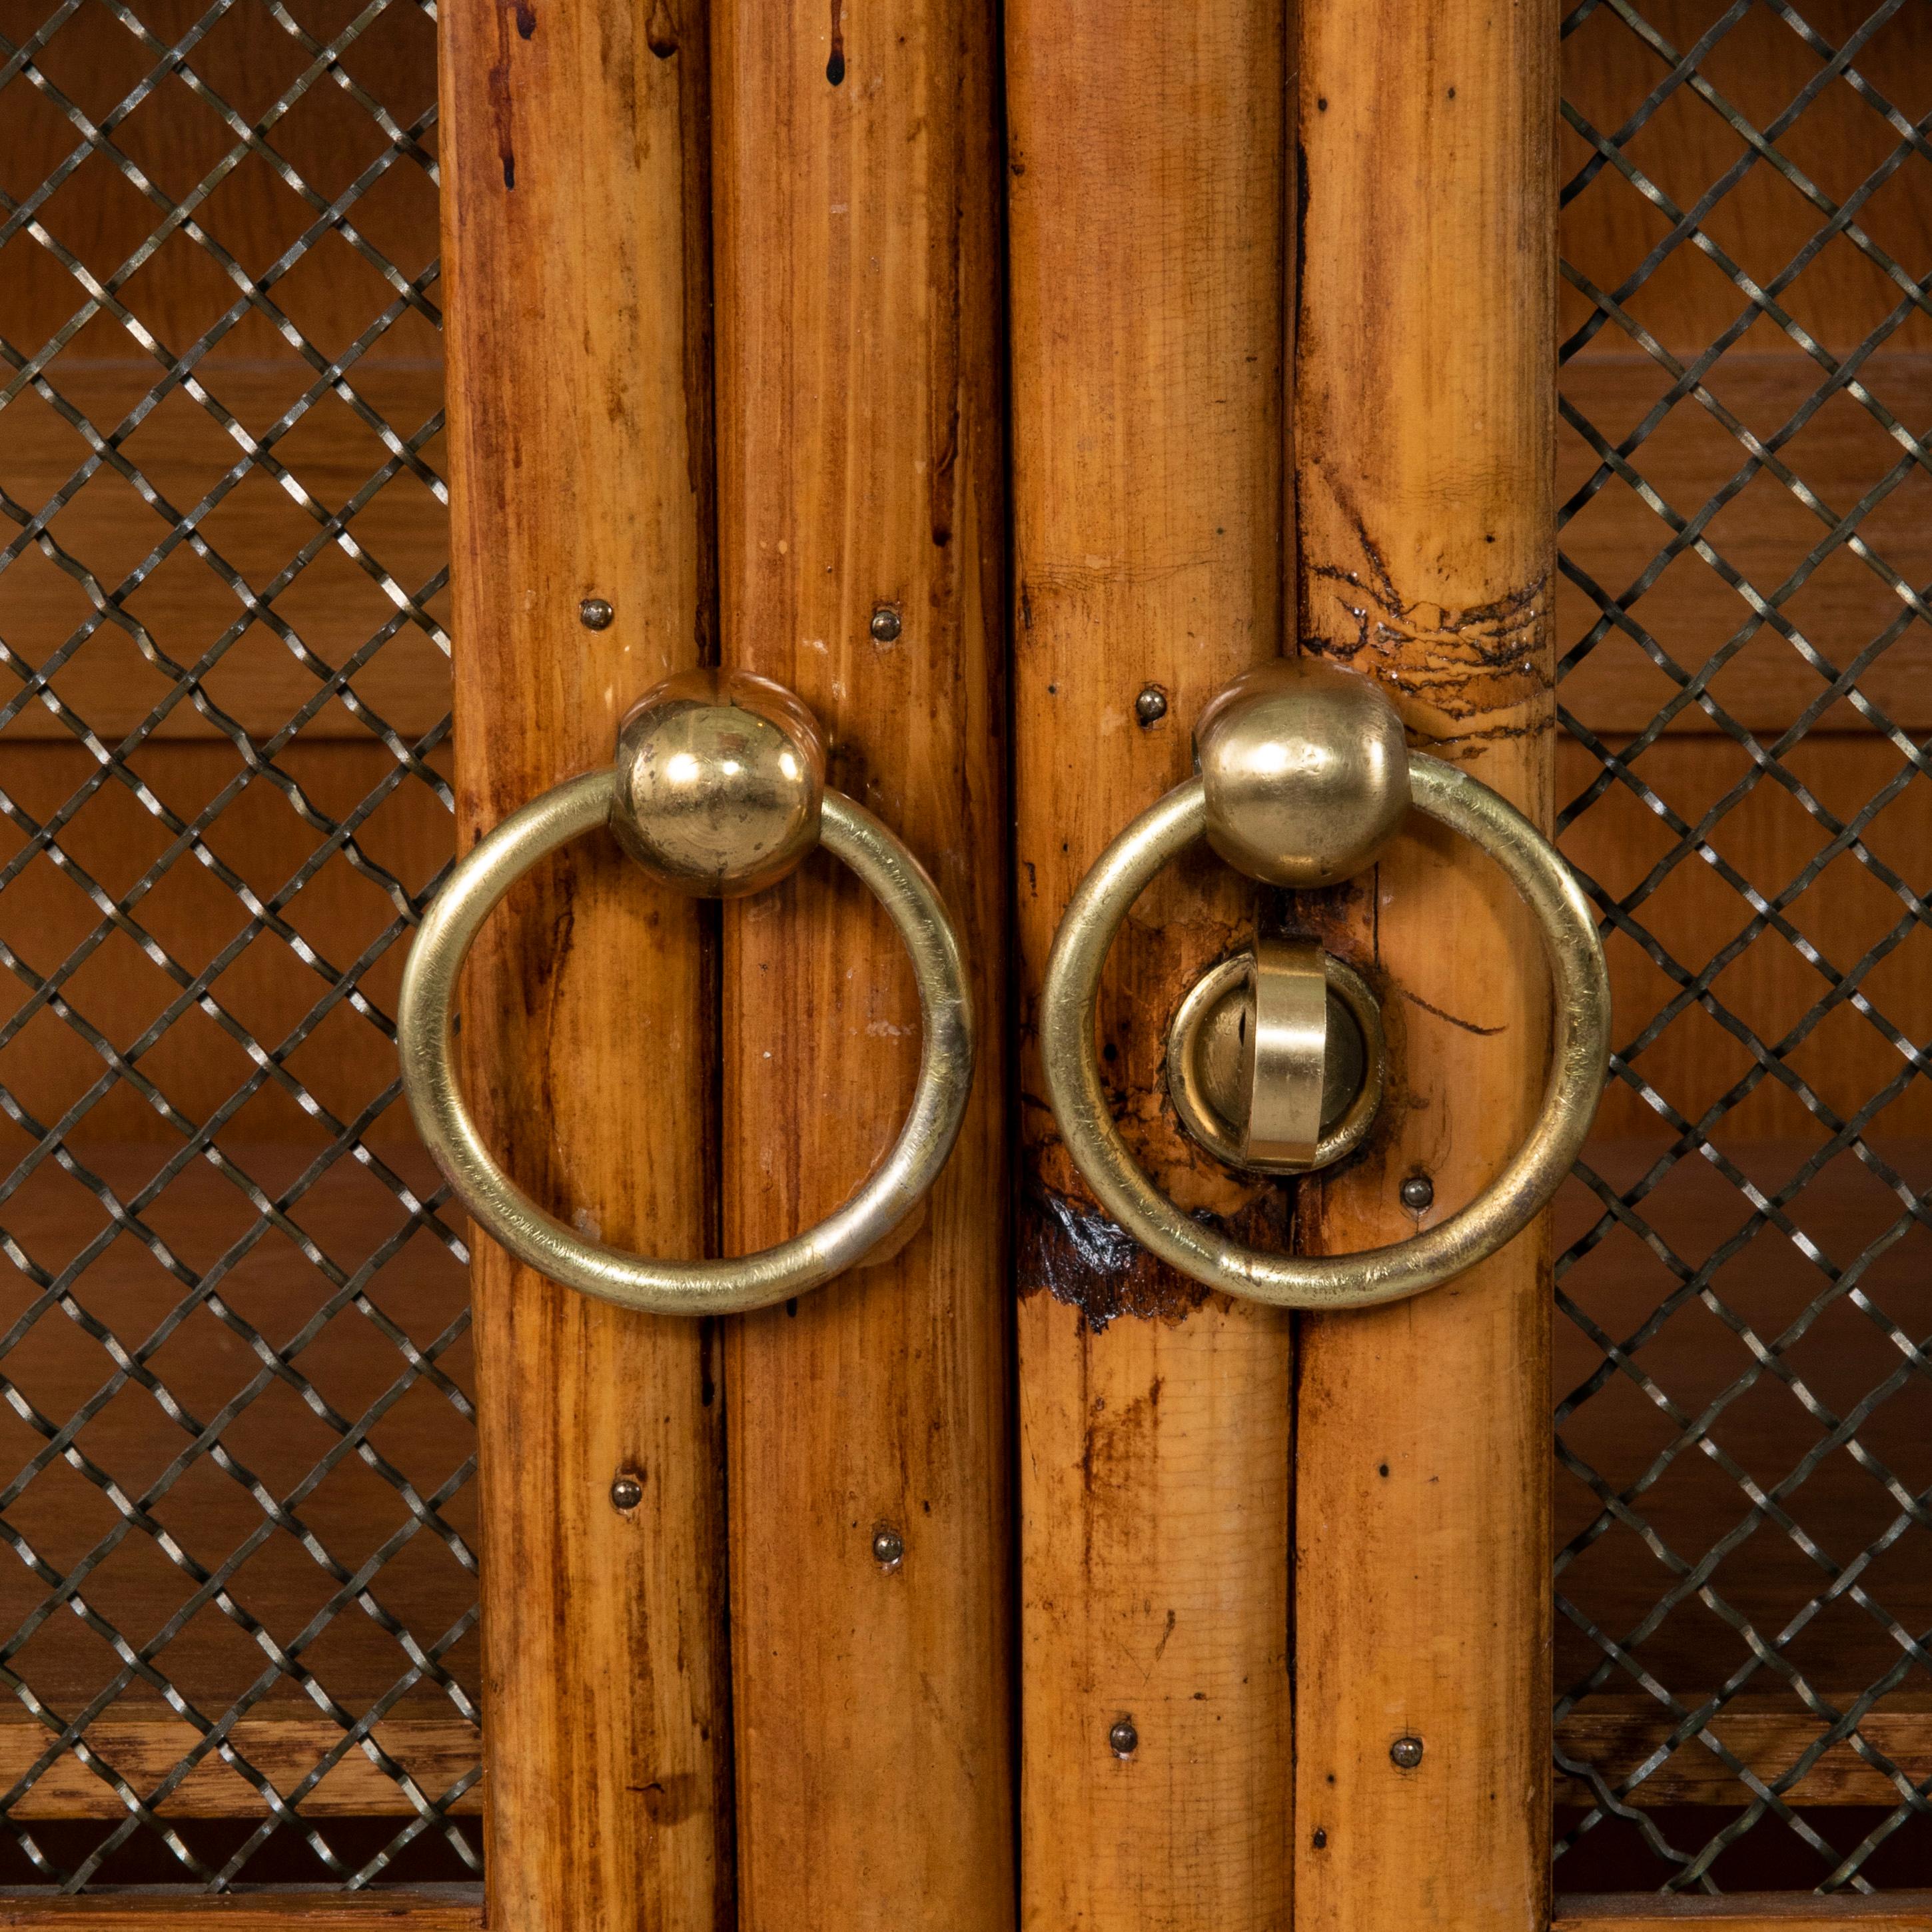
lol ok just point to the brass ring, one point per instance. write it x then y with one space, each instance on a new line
509 1216
1580 1054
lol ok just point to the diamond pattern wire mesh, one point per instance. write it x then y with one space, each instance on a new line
233 1341
1744 1569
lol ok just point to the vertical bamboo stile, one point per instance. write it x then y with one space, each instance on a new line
1424 434
574 145
1146 174
860 478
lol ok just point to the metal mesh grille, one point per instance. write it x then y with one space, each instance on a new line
1744 1563
238 1631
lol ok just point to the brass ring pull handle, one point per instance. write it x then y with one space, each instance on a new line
1304 777
718 789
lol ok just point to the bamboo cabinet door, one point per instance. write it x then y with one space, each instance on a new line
1312 307
1007 391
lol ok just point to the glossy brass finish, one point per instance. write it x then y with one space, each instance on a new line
1285 1050
1581 1008
719 777
755 826
1213 1078
1306 773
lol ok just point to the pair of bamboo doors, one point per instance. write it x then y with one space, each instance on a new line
1002 391
1003 382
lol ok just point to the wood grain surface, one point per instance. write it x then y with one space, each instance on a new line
144 1744
1640 312
576 139
1147 173
332 294
1763 533
860 473
308 887
1746 1912
453 1908
1615 1735
1424 436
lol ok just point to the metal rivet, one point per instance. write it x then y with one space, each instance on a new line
1418 1193
1406 1753
595 613
1122 1739
889 1548
626 1492
1151 707
886 624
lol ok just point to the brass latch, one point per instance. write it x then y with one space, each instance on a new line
1274 1059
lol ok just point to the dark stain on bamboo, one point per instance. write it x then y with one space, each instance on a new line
499 87
1071 1250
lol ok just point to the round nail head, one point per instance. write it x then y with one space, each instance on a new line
888 1548
1406 1753
1151 707
595 613
626 1492
885 625
1418 1193
1122 1739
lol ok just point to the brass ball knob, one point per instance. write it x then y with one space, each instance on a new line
1305 770
720 778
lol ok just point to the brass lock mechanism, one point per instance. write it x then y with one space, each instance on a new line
1274 1058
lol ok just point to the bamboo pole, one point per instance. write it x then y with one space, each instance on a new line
1146 173
1424 433
575 147
861 516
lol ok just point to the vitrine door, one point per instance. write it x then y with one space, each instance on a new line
1743 1573
720 292
1304 311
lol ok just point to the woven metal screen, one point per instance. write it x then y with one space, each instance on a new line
237 1632
1744 1682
